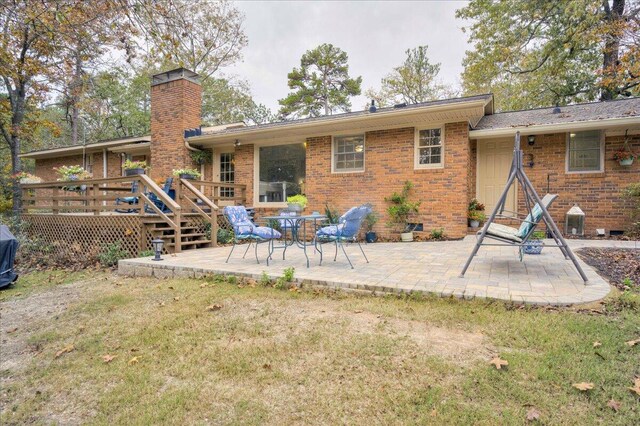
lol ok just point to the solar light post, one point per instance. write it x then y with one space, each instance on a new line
157 248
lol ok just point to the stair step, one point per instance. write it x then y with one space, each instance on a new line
195 234
191 243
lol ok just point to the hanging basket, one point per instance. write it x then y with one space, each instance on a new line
626 162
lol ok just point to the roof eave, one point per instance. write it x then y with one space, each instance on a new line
267 132
555 127
71 150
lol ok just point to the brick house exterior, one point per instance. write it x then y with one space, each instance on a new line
390 154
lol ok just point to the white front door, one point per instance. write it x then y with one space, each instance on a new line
494 163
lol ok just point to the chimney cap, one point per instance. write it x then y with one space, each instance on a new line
175 74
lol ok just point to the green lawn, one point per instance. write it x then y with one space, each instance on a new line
195 351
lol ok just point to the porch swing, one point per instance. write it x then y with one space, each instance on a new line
537 209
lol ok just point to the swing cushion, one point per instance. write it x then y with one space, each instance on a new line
504 232
526 226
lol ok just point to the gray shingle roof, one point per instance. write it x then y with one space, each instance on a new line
347 115
622 108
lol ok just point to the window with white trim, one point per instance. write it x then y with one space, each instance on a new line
429 148
348 153
584 151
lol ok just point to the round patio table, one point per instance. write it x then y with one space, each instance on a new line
298 227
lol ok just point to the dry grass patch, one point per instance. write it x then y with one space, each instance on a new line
146 351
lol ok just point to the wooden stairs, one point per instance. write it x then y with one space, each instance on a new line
195 233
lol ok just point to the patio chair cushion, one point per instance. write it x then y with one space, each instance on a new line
266 233
503 231
526 226
244 228
330 231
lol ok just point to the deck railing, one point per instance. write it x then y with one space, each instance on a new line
105 196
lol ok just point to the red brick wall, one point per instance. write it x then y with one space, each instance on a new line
597 194
389 156
45 167
244 165
175 106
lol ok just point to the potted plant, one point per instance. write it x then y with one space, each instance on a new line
189 174
400 210
370 221
475 213
297 203
24 177
476 218
534 244
134 167
70 174
624 157
200 157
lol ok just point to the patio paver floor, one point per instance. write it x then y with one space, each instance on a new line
429 267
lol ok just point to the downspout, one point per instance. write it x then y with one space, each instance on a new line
190 148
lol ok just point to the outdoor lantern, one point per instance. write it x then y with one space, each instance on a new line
531 139
575 221
157 248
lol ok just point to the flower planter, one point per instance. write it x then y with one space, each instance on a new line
474 223
370 237
406 237
626 162
295 207
187 176
533 247
132 172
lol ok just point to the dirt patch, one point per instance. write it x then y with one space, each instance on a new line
615 264
22 317
453 345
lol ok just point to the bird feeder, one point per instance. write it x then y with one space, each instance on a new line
574 224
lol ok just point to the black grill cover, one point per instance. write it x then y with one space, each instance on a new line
8 249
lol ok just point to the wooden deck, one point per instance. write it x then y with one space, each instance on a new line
91 212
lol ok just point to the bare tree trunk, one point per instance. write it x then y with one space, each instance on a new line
16 167
612 44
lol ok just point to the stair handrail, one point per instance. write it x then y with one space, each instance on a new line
199 194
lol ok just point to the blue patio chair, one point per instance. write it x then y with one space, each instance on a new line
346 230
166 188
131 200
245 230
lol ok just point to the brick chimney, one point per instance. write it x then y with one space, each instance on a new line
176 105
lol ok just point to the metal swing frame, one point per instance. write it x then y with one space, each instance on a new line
531 198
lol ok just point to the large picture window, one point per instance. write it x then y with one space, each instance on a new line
281 170
584 151
348 153
429 148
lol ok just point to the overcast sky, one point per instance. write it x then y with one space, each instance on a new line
375 35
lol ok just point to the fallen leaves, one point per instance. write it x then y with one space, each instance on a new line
499 362
614 405
636 388
134 360
632 342
65 350
583 386
177 298
533 414
214 307
108 358
597 344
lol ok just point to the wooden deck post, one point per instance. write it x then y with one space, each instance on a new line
94 202
54 202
